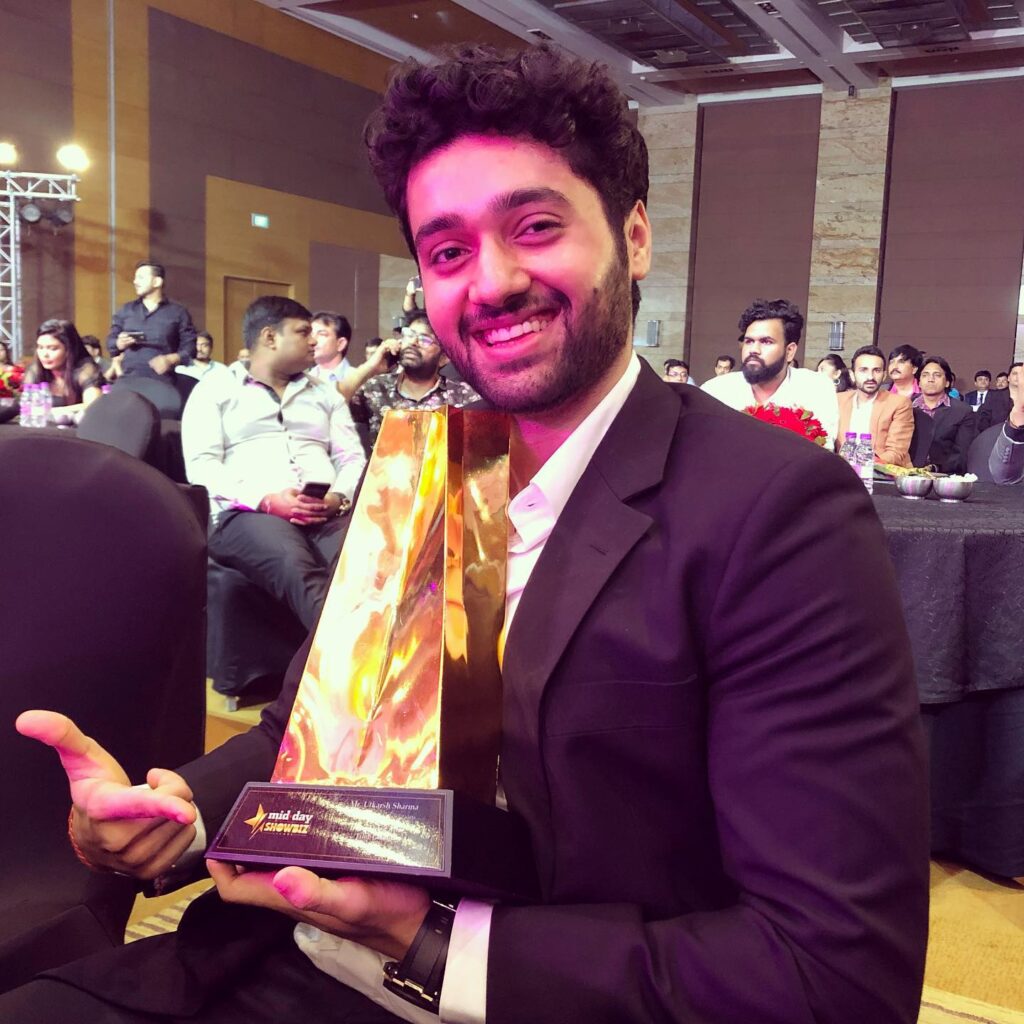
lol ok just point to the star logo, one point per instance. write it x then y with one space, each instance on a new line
257 820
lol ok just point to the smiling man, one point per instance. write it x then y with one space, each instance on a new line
870 409
769 337
711 736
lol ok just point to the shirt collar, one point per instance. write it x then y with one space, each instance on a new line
552 485
918 402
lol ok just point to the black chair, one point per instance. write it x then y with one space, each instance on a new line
980 450
127 421
109 631
164 394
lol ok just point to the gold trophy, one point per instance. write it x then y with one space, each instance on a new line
389 763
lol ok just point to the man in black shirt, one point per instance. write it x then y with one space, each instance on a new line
154 336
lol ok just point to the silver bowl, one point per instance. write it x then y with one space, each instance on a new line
953 490
914 487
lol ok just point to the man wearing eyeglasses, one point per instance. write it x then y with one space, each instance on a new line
417 383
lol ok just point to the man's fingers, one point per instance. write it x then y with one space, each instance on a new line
118 803
170 782
306 891
81 756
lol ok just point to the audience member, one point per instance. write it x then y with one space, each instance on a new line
724 365
728 812
1006 463
833 367
371 347
1002 381
990 404
243 355
332 332
943 427
256 438
204 363
870 409
95 349
769 336
5 356
62 362
420 385
152 336
904 362
676 370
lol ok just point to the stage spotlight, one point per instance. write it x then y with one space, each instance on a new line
73 158
61 215
31 213
8 154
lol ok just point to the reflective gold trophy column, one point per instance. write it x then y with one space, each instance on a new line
389 763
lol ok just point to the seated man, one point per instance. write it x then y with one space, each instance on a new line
257 439
944 427
1006 463
769 338
419 385
904 364
870 409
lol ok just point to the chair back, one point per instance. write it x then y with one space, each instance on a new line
103 592
126 420
980 450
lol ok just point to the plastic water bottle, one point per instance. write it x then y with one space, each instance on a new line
866 462
847 448
25 406
45 404
36 413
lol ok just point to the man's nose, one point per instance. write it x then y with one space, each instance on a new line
498 275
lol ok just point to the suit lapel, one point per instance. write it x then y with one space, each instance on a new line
595 531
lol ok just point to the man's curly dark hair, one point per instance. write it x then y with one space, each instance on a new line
541 93
774 309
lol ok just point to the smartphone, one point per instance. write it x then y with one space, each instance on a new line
417 282
139 337
315 490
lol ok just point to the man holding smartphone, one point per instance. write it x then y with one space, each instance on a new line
277 452
153 336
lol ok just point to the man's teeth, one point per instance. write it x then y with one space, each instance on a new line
508 333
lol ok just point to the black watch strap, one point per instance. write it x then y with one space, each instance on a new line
417 978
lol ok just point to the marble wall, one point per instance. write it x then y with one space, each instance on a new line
672 145
848 209
849 203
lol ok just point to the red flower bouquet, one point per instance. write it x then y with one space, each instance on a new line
800 421
10 381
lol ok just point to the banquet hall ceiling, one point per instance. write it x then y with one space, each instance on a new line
661 50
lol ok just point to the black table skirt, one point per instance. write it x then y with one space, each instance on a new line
961 576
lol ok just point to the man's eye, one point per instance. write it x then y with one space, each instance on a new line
447 254
538 227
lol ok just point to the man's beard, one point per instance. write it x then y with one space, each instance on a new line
869 391
594 336
755 371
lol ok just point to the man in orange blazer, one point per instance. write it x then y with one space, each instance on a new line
870 409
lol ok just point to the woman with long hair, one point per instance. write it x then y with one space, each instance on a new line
5 356
62 362
835 369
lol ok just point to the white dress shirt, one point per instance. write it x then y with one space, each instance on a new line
860 414
241 442
801 388
200 370
332 375
532 514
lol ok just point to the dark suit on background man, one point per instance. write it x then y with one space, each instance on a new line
712 737
993 408
942 440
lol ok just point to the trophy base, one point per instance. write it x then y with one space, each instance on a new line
434 838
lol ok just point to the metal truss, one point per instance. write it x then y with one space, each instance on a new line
16 188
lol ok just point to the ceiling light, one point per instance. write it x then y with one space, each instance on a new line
73 158
8 154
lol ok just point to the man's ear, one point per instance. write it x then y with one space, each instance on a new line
267 336
343 347
791 347
638 242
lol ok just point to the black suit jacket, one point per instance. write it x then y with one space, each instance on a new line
942 440
994 409
711 730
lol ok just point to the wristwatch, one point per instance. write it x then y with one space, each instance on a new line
418 976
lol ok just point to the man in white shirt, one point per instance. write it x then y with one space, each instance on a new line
258 439
331 333
769 337
724 829
203 364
